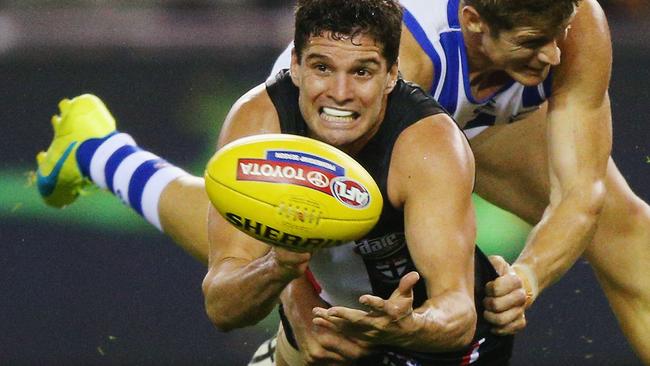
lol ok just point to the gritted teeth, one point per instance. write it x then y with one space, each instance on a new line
337 112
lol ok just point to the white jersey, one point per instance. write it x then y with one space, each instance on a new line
435 26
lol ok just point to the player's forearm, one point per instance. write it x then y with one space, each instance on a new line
559 239
298 300
241 295
442 324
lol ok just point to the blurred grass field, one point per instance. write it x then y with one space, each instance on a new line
498 232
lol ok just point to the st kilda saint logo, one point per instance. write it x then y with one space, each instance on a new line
386 257
307 170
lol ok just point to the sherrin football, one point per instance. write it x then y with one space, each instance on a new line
292 191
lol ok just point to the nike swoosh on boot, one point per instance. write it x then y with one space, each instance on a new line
47 184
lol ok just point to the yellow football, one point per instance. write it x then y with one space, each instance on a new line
292 191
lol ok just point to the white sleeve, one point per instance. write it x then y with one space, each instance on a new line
283 61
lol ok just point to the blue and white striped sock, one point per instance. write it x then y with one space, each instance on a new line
136 176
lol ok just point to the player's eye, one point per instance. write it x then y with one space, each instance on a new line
363 72
320 67
533 44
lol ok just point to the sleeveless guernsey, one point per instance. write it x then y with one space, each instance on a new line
375 264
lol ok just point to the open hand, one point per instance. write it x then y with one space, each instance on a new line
387 321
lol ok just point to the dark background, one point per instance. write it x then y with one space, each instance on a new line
93 284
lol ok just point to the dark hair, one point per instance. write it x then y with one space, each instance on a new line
508 14
380 19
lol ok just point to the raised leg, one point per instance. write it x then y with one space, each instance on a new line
183 210
620 256
87 149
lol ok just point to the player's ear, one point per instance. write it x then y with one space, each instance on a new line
295 67
471 19
393 74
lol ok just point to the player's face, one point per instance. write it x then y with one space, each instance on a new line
344 86
526 54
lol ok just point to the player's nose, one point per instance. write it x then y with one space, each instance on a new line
550 53
341 88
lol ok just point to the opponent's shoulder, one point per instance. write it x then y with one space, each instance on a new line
252 114
414 64
586 57
590 19
424 23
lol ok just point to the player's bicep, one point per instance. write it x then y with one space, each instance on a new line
579 143
252 114
433 176
579 114
586 57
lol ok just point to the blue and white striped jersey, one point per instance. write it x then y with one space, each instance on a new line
435 26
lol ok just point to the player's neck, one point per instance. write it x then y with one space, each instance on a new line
485 79
486 84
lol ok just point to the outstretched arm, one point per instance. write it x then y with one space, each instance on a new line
432 183
579 143
245 276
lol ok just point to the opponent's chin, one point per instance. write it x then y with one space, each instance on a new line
530 76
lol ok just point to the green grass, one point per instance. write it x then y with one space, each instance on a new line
19 199
498 231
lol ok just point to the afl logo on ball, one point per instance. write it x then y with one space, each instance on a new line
349 192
